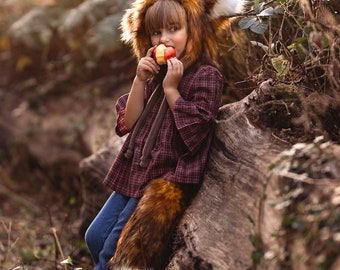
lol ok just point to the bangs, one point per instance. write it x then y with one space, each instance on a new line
163 14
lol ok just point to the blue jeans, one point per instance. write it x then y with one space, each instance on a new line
102 235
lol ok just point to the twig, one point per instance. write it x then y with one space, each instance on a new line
54 232
308 180
279 139
252 11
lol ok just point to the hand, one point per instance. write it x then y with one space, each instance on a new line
174 74
172 80
147 66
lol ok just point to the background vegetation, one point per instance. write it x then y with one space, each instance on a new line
65 56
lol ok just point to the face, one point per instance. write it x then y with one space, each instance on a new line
171 36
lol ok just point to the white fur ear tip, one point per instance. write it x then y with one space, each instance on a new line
227 8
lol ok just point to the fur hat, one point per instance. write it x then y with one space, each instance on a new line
205 19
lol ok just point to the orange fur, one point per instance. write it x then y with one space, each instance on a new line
202 38
145 240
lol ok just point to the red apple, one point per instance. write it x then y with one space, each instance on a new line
162 53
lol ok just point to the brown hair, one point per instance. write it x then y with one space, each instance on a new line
201 43
163 14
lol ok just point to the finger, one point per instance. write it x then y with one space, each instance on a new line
150 51
150 65
175 65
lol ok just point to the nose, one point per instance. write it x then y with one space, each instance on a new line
164 37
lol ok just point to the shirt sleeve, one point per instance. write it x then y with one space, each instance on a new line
194 118
121 128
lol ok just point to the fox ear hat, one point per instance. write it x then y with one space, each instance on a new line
205 19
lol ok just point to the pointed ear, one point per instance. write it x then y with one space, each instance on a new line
225 8
221 13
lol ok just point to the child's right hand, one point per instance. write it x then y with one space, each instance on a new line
147 66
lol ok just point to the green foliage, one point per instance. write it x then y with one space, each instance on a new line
257 253
296 45
299 42
67 261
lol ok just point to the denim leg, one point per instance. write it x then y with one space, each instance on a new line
110 244
102 225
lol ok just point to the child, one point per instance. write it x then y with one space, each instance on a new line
178 103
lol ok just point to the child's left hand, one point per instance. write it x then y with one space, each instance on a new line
174 74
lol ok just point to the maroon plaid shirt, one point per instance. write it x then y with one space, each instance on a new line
181 149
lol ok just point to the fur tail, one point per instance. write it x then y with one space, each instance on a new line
146 238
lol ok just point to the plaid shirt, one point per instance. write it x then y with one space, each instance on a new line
181 149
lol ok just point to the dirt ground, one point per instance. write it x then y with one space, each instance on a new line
38 233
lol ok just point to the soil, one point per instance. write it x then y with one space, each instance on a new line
27 238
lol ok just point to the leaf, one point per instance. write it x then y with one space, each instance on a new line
278 10
67 261
259 7
268 12
23 62
260 26
257 25
281 65
245 23
300 47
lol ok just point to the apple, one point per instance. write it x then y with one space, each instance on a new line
162 53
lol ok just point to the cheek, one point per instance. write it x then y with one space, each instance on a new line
154 41
181 45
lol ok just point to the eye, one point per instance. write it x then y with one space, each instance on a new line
156 33
173 28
